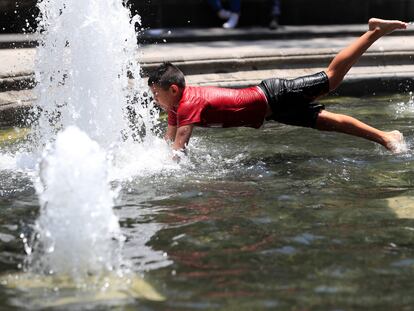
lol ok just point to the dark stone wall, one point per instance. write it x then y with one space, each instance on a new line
197 13
16 14
182 13
344 11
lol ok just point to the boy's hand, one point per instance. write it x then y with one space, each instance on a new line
178 155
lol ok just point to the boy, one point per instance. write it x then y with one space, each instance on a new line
285 101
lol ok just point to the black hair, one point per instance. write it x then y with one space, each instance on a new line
166 75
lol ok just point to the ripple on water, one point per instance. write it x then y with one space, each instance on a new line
313 230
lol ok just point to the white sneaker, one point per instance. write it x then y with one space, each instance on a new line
224 14
232 22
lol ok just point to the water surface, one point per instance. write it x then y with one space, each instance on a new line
280 218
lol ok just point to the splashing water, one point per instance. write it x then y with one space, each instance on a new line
88 104
404 108
77 231
87 51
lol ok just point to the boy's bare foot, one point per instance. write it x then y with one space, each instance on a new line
395 142
386 26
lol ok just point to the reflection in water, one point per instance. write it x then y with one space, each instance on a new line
139 226
402 206
42 291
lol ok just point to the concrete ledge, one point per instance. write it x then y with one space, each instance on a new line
230 64
185 35
15 107
14 41
285 32
387 67
403 74
262 62
17 83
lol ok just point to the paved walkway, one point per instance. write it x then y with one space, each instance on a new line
288 58
240 62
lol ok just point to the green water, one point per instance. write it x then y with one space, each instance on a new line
281 218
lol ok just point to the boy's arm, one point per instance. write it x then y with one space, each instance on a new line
182 137
170 133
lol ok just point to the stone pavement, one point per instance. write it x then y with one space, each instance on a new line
234 59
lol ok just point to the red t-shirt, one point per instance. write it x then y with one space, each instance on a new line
220 107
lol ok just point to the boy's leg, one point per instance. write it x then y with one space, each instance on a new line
342 62
328 121
336 71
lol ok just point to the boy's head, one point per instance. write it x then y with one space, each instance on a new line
167 83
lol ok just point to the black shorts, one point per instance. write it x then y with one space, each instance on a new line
291 101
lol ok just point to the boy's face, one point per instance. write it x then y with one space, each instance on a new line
167 99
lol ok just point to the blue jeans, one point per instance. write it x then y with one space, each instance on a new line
275 8
235 5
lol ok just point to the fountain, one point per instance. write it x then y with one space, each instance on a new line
77 232
87 53
87 112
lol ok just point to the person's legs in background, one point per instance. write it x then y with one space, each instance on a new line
275 14
235 8
218 8
232 16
